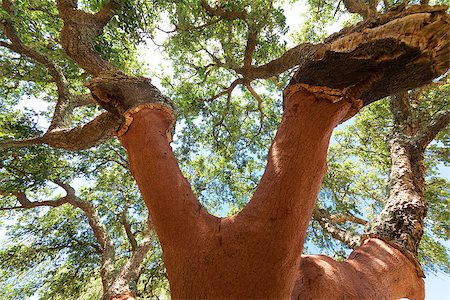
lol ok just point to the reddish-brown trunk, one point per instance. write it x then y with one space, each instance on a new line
254 254
373 271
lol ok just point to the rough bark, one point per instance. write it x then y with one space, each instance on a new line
124 284
79 33
401 221
400 50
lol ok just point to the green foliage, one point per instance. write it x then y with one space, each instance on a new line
221 142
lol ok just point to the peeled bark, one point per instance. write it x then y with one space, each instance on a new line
257 253
373 271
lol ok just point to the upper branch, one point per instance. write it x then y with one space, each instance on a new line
18 46
80 32
429 132
250 48
108 10
85 136
391 53
25 203
223 13
291 58
403 117
365 9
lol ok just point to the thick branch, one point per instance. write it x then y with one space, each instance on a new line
440 121
252 41
176 213
373 271
79 33
348 217
400 50
27 204
89 135
91 213
401 222
21 143
108 10
401 108
291 58
131 270
365 9
287 192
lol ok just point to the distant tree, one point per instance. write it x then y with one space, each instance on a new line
229 61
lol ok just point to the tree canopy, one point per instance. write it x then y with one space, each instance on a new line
61 210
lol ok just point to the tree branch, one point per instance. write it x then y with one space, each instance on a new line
100 233
260 107
131 270
128 231
329 225
370 50
250 49
291 58
27 204
227 92
108 10
429 132
223 13
401 109
85 136
365 9
348 217
17 46
79 33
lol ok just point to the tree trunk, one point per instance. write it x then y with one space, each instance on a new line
373 271
257 253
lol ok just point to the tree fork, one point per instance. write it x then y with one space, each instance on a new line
252 254
257 252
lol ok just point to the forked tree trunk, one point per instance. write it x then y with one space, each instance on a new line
257 253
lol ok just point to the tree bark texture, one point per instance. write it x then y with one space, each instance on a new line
257 253
385 55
